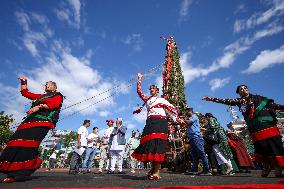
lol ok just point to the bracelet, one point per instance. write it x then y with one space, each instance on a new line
41 106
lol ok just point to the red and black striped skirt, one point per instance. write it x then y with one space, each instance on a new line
20 157
153 142
268 146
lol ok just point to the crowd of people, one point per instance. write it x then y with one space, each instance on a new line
212 147
111 148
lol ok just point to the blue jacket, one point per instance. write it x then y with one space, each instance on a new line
120 132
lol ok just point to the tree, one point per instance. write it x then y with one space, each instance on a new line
5 132
173 91
173 79
66 139
44 154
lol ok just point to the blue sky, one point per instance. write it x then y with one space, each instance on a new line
88 47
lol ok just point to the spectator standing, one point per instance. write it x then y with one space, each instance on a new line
132 144
104 157
92 150
117 148
196 143
52 160
82 143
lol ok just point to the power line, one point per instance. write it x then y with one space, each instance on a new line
115 87
130 81
78 111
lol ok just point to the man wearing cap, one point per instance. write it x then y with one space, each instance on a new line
117 146
196 143
104 159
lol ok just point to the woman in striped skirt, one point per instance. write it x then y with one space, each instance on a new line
20 158
154 139
260 115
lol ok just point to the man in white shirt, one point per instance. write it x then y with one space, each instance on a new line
82 143
92 150
104 158
117 141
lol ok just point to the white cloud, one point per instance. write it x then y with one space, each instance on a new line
159 82
272 29
23 19
75 79
39 18
218 83
104 113
135 40
11 102
230 53
256 19
185 4
240 8
43 20
266 59
76 6
31 39
130 126
70 13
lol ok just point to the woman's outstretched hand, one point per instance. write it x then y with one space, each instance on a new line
207 98
139 75
23 80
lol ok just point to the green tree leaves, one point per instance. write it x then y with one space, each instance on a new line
5 132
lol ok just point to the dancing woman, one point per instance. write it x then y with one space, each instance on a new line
154 139
260 116
20 158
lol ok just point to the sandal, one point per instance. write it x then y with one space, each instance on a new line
154 177
150 173
230 173
8 180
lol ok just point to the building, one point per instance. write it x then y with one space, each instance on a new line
61 132
238 125
53 140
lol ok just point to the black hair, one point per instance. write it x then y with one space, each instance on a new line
95 128
86 121
238 88
209 115
154 86
189 109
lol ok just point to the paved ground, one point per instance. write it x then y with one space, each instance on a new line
60 178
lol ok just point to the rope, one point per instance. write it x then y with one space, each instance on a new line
115 87
78 111
130 82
